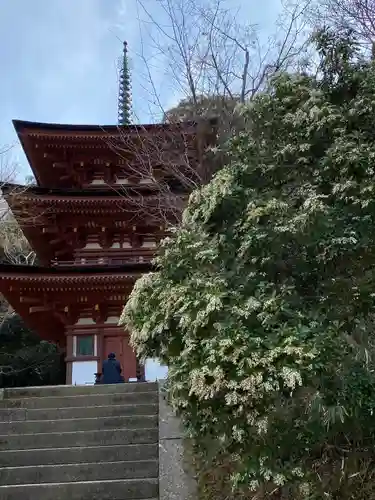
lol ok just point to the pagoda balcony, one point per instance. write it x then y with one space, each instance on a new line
109 258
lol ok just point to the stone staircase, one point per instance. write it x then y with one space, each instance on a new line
79 443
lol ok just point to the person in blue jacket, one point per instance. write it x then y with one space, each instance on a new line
111 372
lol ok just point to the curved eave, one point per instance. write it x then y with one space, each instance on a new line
105 193
22 126
19 282
68 136
89 274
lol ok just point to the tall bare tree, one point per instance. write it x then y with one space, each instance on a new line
212 61
162 166
8 172
343 15
14 248
206 49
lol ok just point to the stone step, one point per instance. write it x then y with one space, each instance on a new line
79 424
11 415
81 400
126 489
76 455
8 415
76 390
103 471
78 438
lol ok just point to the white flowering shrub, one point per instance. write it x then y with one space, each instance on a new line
263 301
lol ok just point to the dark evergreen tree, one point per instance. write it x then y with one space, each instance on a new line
25 359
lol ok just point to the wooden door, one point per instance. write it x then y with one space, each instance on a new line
114 344
119 344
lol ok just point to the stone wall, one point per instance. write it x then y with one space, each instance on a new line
176 477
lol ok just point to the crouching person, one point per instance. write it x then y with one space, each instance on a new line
111 372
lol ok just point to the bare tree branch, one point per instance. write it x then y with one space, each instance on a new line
207 49
14 246
167 164
342 15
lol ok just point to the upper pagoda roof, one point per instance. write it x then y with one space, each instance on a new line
61 150
58 128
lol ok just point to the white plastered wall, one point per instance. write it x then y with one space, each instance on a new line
83 372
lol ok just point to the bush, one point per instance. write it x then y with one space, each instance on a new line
25 360
263 304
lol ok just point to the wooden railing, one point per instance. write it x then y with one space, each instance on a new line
103 261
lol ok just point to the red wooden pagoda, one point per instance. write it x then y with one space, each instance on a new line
94 220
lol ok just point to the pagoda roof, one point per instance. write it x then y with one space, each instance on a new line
40 127
48 143
45 297
48 216
9 188
30 204
61 274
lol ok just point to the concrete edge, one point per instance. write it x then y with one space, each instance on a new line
176 477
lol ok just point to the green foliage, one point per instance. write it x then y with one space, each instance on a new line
224 108
263 304
205 107
25 360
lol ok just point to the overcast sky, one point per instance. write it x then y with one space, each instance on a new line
59 61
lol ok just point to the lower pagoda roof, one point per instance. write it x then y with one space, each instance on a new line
21 271
50 298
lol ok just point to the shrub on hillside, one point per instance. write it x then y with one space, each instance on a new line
263 304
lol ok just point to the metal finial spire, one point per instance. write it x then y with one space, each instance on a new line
124 97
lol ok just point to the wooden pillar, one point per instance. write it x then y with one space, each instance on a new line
68 357
130 360
100 341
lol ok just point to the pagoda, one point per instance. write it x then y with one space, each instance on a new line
94 219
